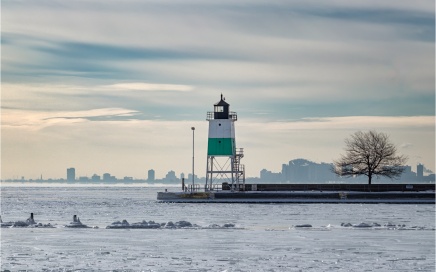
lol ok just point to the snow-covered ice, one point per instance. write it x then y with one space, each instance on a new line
208 237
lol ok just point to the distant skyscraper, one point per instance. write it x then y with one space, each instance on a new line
107 177
302 170
95 177
151 175
71 174
420 171
171 176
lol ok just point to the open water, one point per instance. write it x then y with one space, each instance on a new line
261 237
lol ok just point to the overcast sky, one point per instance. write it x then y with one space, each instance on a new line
115 86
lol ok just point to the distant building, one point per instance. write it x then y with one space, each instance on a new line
108 178
301 170
171 176
269 176
151 175
83 179
71 174
407 174
95 177
190 178
420 172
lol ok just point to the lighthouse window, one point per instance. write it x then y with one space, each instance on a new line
219 124
219 109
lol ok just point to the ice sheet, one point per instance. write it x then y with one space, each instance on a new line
342 237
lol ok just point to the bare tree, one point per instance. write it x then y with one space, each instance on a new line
370 154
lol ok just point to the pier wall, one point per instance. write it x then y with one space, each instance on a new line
336 187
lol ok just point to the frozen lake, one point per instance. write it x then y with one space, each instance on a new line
265 237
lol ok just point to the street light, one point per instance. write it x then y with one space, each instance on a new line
193 129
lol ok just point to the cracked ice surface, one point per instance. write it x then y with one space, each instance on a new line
259 237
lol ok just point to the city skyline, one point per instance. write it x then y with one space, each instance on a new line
304 170
121 87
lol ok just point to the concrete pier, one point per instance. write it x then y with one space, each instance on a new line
310 193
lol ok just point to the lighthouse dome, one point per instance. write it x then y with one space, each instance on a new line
221 109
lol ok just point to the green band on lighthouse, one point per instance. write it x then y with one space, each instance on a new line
221 147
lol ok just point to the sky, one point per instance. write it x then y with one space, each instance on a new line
115 86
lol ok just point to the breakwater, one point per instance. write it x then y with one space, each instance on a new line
309 193
334 187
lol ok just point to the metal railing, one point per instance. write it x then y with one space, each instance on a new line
193 188
211 116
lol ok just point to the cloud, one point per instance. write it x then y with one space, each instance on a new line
150 99
139 86
37 120
290 52
104 52
406 145
347 123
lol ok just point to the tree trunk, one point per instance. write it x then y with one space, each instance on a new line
369 179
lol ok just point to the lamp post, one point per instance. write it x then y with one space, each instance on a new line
193 129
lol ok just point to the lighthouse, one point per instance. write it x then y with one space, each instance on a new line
223 158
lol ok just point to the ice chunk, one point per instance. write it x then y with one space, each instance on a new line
145 225
30 222
5 224
119 225
170 225
183 224
21 224
216 226
362 225
303 226
76 223
139 225
154 225
40 225
390 225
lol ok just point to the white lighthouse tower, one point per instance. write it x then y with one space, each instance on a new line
223 158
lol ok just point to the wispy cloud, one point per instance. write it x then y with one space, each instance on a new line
139 86
36 120
348 123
